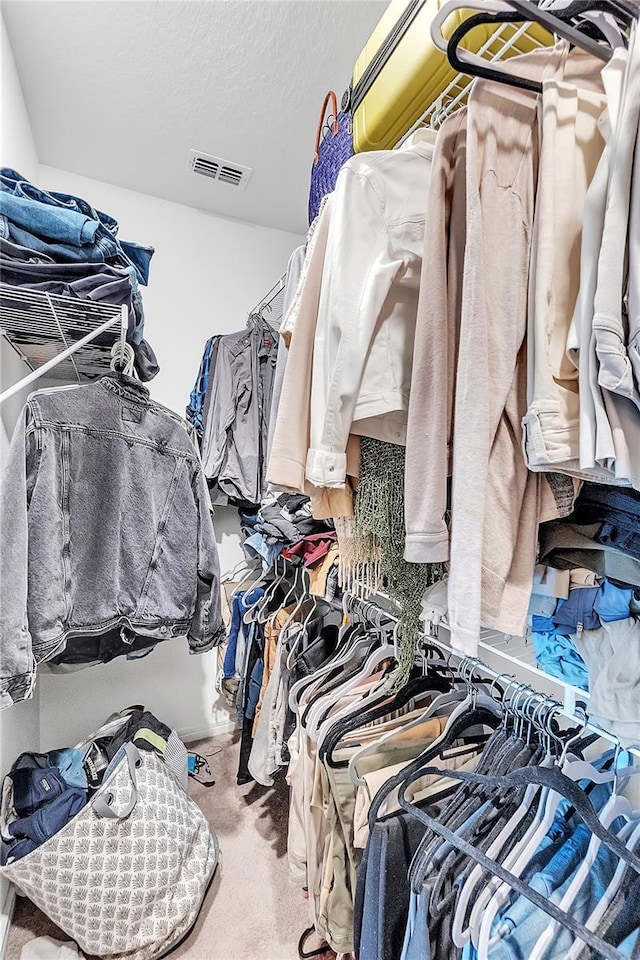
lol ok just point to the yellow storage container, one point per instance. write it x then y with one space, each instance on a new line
400 71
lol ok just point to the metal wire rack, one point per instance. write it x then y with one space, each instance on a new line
66 338
504 42
271 307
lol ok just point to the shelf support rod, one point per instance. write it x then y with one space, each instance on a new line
50 364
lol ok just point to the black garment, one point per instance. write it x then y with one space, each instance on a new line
383 888
246 741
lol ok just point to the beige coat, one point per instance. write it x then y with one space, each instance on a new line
494 496
286 468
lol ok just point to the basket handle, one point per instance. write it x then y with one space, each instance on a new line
102 801
331 96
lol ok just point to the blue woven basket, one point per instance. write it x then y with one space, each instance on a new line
334 145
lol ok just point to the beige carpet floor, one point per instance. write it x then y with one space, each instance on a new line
251 911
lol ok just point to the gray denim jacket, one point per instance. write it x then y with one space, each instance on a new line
105 522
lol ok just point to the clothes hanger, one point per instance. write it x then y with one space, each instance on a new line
490 884
291 593
240 567
469 895
415 689
517 861
388 701
122 358
247 617
502 11
439 704
617 806
477 709
304 596
475 66
317 729
436 708
547 906
630 833
270 592
348 635
357 647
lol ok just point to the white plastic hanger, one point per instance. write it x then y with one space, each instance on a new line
123 358
270 592
469 893
436 708
630 835
549 802
317 729
616 806
290 593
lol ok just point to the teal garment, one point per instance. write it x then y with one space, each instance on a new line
557 655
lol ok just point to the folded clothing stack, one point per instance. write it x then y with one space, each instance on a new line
281 522
59 244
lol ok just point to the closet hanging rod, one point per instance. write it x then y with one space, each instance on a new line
268 303
566 707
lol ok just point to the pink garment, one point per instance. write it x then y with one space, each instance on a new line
312 549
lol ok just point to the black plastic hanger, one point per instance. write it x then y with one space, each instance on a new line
558 22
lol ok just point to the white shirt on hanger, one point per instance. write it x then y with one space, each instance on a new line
368 304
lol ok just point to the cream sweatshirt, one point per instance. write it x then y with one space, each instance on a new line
286 467
494 496
435 351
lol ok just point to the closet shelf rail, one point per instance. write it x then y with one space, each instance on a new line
63 337
513 651
502 43
271 306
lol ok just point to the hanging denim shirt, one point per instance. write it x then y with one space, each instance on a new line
105 523
196 409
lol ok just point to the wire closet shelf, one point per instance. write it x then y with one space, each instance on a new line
271 306
499 654
63 337
502 43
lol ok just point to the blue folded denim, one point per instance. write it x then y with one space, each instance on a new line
557 656
106 244
54 223
542 606
616 511
613 602
257 547
98 282
577 610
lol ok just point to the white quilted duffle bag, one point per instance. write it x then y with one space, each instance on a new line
126 877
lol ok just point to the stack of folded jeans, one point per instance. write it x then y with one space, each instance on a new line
59 244
602 534
558 625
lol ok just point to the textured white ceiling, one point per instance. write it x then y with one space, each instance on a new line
121 91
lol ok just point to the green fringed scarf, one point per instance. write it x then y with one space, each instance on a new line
375 559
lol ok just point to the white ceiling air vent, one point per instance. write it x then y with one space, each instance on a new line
233 174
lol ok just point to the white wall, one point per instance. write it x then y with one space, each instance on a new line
20 726
205 276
